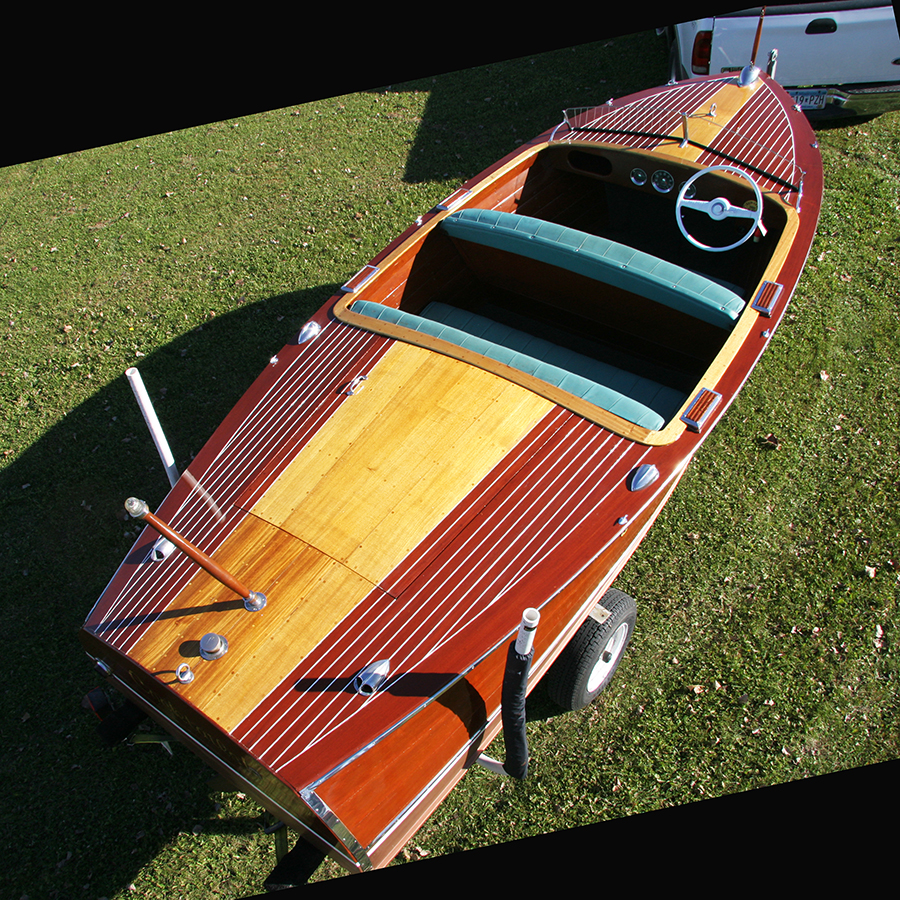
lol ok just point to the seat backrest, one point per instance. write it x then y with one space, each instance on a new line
598 258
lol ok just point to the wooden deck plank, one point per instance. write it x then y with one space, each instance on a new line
337 521
703 128
308 594
367 502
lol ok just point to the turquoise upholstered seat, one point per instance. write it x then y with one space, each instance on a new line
635 399
601 259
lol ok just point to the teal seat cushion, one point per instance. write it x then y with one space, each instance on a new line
633 398
600 259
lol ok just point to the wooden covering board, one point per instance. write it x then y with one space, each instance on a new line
702 127
337 521
366 501
308 594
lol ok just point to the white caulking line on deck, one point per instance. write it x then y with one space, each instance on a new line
313 424
225 476
544 541
543 433
546 549
663 486
184 518
563 478
664 118
262 431
768 125
529 504
215 472
532 442
383 620
339 703
353 649
465 616
525 559
635 116
770 138
143 600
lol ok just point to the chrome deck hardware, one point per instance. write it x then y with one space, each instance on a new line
371 677
213 646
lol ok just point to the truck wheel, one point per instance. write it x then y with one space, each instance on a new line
587 663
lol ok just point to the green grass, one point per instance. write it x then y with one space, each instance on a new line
767 590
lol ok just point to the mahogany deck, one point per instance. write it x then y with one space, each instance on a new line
274 421
555 490
415 518
466 717
367 499
757 131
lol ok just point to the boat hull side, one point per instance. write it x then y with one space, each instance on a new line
386 793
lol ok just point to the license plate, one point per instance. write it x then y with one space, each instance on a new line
809 99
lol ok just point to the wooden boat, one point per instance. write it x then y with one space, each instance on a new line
484 422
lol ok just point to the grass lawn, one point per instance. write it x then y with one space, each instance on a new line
767 592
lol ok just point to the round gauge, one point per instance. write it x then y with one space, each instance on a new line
690 192
662 181
639 177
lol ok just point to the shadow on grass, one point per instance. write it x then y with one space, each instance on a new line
78 812
86 819
98 815
475 116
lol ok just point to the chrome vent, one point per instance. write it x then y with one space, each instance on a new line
371 677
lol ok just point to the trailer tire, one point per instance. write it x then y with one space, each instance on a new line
588 662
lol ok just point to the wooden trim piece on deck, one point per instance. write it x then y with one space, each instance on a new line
703 129
670 432
554 394
341 516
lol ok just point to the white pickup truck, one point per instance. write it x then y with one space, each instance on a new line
835 58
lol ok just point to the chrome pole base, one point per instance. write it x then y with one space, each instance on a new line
254 601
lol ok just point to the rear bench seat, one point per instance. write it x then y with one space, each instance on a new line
635 399
601 259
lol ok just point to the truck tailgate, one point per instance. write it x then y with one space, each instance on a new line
849 42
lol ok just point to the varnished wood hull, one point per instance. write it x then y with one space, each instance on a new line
397 496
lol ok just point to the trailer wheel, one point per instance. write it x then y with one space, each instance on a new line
588 662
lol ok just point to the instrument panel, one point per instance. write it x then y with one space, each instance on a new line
619 167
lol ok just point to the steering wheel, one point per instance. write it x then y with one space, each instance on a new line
719 208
